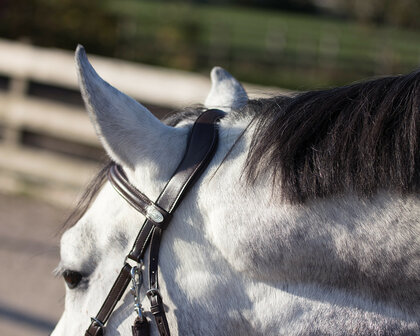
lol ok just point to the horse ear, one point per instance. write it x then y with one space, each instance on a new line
128 131
226 92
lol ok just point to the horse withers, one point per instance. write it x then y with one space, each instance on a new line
304 222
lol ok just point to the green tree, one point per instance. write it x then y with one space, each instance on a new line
403 13
60 23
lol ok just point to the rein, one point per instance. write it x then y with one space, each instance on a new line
202 144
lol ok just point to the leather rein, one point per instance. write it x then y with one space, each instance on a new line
202 144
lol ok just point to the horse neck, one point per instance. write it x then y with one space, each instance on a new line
361 246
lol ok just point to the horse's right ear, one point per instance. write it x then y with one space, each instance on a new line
129 132
226 92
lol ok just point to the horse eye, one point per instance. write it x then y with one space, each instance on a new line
72 278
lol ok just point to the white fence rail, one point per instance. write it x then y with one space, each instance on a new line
57 177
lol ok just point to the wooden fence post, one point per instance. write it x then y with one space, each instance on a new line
18 87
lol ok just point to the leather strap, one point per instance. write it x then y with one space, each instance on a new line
156 303
202 143
158 310
140 327
135 197
201 146
96 328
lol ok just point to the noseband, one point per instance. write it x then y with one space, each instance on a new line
202 144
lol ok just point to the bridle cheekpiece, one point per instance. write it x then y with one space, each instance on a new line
202 144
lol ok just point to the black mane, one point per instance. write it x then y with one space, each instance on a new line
360 138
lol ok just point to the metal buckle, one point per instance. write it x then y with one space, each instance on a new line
134 263
154 214
153 292
99 323
137 281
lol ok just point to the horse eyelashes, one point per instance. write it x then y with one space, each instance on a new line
72 278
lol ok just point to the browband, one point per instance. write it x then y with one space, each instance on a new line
202 144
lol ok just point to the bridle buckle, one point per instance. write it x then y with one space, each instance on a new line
97 322
152 292
201 148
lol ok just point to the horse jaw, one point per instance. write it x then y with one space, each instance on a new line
226 92
129 132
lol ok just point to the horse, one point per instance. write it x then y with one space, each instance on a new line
305 221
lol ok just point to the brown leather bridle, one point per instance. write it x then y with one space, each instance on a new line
202 144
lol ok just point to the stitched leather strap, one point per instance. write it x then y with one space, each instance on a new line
202 143
200 149
136 198
156 303
158 310
96 328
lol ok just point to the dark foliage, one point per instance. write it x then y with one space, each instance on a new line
305 6
360 138
61 24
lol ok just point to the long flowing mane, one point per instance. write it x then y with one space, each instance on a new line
360 138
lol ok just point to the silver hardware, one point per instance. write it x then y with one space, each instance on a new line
133 263
153 214
152 292
95 320
136 283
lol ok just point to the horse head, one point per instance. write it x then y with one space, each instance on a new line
268 240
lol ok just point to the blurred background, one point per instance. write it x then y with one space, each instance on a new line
160 52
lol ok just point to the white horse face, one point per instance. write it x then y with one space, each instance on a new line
94 250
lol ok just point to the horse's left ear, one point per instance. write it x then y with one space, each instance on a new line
129 132
226 92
